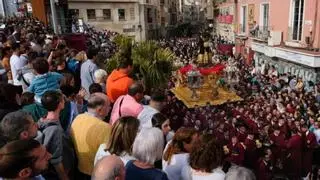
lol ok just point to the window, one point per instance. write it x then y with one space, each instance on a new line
163 21
132 16
243 25
265 16
74 12
106 14
297 19
91 14
121 14
149 15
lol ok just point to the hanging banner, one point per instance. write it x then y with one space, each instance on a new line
250 14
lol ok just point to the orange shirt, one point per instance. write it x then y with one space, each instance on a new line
7 67
117 85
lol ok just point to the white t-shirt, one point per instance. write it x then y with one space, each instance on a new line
177 164
145 116
125 157
16 65
191 174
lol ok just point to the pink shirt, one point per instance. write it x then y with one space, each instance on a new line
129 107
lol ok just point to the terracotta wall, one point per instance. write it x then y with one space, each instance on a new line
38 10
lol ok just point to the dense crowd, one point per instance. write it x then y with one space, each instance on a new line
63 117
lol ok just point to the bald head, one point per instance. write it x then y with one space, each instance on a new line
135 88
136 91
109 168
99 104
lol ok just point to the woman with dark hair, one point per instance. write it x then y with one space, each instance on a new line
177 151
120 143
205 162
162 122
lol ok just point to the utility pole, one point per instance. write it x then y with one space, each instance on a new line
54 16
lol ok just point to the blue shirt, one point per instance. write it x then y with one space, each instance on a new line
87 74
44 82
133 173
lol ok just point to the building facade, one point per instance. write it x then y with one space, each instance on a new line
140 19
284 34
190 11
226 22
167 16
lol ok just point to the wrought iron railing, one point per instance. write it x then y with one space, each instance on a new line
260 32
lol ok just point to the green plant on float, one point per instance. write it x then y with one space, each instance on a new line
152 63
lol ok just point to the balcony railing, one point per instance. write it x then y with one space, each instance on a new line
260 33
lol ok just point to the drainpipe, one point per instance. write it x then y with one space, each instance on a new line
235 19
315 24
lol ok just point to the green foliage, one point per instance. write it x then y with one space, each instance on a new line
124 45
153 63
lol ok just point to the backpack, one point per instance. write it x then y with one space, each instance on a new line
69 156
73 65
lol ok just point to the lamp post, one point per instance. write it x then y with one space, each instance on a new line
54 16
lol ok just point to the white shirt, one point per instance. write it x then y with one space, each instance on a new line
28 78
125 157
191 174
317 134
177 164
16 65
145 116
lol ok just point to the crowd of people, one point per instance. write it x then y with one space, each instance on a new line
63 117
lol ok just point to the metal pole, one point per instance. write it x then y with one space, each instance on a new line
54 16
2 6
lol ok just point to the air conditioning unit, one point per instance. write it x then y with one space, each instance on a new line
275 38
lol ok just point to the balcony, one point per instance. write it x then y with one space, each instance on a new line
260 34
296 39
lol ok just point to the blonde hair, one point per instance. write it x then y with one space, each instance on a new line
81 56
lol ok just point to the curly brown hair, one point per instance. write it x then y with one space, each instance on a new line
207 157
183 135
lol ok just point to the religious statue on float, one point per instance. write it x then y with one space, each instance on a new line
205 54
232 71
194 82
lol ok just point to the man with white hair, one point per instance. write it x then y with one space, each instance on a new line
89 130
100 77
109 168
